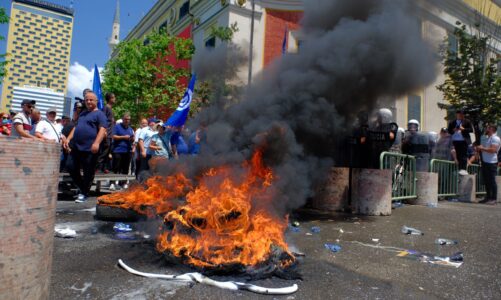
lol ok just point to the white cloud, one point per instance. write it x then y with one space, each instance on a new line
80 78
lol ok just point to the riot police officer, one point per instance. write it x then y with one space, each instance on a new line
417 144
381 137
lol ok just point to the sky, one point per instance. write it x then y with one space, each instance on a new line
91 31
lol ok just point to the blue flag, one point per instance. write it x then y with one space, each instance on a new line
179 117
284 43
96 88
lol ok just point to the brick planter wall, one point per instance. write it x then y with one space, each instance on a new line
29 173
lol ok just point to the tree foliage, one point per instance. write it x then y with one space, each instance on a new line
473 80
4 19
146 76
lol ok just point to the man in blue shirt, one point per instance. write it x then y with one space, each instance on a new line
179 146
87 135
123 137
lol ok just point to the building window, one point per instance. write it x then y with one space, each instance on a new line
453 42
210 43
163 27
414 107
184 9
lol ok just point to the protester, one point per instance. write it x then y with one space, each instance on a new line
196 138
443 147
36 116
104 160
489 156
460 129
87 136
47 128
160 146
123 137
179 146
22 122
5 126
136 161
473 156
144 143
66 160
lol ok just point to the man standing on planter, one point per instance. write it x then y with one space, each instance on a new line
87 135
460 130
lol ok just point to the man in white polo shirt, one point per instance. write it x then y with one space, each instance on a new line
489 149
47 128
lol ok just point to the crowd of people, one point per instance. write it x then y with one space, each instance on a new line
454 143
92 141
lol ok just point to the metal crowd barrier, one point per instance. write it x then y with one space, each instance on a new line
480 184
403 175
448 178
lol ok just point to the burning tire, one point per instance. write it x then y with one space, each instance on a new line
110 213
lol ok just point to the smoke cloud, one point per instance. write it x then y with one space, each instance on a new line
353 53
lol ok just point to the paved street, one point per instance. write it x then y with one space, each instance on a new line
86 267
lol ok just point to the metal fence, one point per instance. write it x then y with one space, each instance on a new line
448 178
480 185
403 174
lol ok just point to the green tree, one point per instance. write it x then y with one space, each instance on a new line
145 75
473 80
4 19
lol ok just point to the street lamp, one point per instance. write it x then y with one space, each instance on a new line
251 47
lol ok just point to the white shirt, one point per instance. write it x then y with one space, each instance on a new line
136 135
491 158
146 134
49 130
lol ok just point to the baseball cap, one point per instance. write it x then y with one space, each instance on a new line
65 118
52 109
152 120
31 102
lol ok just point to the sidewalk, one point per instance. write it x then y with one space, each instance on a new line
85 267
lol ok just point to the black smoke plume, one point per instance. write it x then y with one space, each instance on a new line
352 54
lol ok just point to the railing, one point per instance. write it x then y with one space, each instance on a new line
403 175
479 178
448 180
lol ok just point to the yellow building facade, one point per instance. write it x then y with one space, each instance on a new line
487 8
38 48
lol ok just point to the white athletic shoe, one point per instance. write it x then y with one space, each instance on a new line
81 198
463 172
112 187
125 186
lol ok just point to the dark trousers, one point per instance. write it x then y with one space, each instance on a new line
104 155
86 161
461 148
145 166
121 163
489 174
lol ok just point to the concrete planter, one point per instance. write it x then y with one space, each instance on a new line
371 192
29 173
467 189
426 189
332 195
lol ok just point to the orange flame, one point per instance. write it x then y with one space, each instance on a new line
227 218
